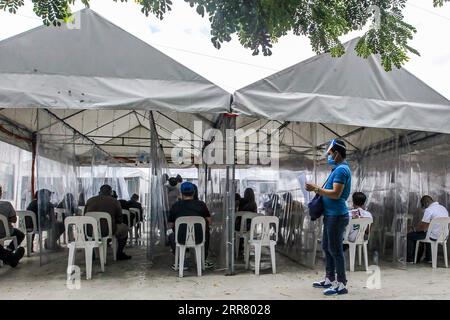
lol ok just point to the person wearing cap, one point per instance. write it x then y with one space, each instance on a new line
8 211
335 193
44 210
186 207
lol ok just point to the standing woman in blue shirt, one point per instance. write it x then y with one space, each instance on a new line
334 195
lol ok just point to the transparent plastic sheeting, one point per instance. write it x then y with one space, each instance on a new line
64 183
219 191
215 200
157 242
56 180
15 175
278 194
394 172
394 168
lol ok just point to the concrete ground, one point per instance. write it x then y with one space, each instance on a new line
138 279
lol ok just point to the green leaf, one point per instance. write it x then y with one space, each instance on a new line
201 10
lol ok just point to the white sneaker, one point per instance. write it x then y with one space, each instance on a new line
324 284
337 289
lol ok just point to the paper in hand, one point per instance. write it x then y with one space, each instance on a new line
302 181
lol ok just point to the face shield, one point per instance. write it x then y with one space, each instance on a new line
332 144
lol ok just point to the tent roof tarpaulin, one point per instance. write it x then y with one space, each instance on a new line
93 64
348 90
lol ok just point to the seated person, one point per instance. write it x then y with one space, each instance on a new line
432 210
179 181
69 204
237 201
272 205
11 258
165 178
359 200
8 211
46 218
125 206
188 207
248 202
173 194
105 202
135 204
195 192
81 201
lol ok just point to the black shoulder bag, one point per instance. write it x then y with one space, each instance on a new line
315 206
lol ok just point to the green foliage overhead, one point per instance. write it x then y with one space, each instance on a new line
260 23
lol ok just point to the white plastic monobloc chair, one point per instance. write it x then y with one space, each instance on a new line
396 223
129 224
29 232
7 236
243 233
81 241
81 210
141 223
359 241
144 218
107 217
443 223
59 213
136 224
267 229
190 242
237 233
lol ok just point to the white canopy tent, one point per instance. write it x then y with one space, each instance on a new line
348 90
93 64
95 95
392 123
99 80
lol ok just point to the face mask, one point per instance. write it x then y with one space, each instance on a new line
331 161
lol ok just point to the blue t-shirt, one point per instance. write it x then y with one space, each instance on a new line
341 174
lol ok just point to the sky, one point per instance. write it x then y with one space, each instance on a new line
185 36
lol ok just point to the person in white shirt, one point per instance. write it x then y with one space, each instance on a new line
432 210
359 200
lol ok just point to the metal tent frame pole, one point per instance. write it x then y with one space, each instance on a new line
153 203
229 205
